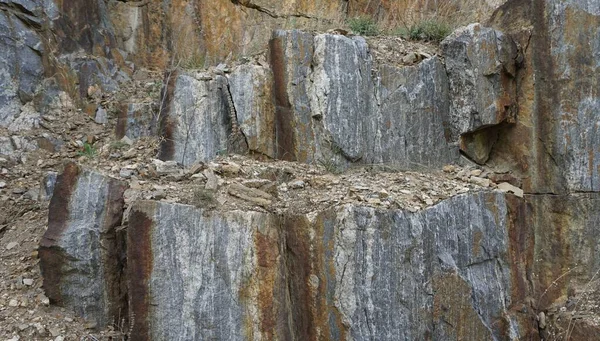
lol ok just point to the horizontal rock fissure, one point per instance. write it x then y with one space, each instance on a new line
250 5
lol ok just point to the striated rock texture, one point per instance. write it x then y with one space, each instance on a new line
481 64
195 122
80 252
196 274
350 273
445 273
555 143
21 52
330 106
319 102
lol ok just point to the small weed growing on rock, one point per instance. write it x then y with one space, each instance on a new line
118 145
330 166
426 30
88 151
195 61
204 198
364 26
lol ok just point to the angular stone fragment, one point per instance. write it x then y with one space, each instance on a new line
80 253
253 195
202 275
508 188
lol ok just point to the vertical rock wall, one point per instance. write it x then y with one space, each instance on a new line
197 275
80 253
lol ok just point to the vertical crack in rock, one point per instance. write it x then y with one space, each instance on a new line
166 126
236 142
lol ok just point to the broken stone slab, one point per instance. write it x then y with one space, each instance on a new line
252 93
196 274
166 167
252 195
101 116
508 188
80 252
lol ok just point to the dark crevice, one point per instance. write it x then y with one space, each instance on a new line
248 4
237 141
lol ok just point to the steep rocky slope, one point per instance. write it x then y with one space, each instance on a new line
274 179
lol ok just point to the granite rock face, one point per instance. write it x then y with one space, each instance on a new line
80 253
330 106
444 273
555 142
319 102
482 64
21 52
350 273
196 274
195 121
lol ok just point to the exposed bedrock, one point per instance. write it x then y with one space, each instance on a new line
482 265
319 101
555 143
346 273
482 65
81 252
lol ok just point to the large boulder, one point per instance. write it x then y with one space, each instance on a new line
80 253
332 106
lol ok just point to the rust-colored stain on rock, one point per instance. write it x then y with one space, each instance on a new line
139 267
284 133
268 254
299 269
453 312
52 258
